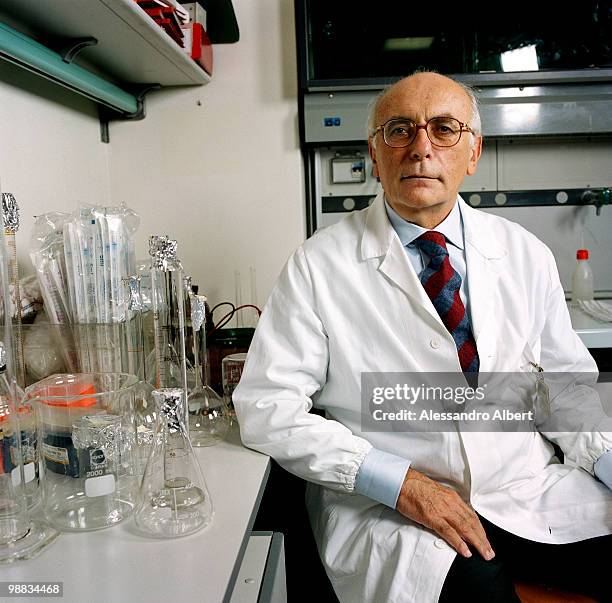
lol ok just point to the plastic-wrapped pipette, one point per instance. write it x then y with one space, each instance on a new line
47 255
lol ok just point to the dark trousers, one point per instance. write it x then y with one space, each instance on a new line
583 567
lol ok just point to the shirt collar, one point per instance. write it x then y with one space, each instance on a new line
451 227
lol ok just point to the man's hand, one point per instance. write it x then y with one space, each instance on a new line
441 509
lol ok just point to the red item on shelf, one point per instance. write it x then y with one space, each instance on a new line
201 48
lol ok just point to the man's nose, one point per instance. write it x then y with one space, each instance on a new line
420 147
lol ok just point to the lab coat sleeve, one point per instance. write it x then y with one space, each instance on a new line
286 364
603 468
381 476
578 423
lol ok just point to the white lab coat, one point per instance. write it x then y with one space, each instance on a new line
348 301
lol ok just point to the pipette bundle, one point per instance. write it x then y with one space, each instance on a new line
82 260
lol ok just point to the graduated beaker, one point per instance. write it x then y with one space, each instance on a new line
88 438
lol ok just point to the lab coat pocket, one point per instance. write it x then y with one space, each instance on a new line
345 536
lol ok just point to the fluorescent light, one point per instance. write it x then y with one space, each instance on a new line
520 59
408 43
25 52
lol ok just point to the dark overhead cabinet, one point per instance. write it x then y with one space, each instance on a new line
353 42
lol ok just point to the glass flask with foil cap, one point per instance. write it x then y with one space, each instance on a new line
174 500
168 298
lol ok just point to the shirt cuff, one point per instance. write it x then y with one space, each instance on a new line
380 476
602 468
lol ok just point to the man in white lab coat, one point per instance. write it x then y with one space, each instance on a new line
420 281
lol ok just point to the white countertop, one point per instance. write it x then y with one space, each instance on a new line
116 565
594 333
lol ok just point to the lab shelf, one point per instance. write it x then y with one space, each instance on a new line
131 48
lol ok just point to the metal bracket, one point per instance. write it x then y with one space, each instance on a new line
73 46
106 115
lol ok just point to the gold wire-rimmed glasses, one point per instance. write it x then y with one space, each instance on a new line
442 131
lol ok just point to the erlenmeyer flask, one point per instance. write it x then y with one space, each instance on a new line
174 500
209 418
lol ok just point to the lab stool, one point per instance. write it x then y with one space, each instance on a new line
533 593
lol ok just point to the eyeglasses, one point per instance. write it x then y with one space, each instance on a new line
441 131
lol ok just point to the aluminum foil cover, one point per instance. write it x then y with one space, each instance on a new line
187 283
10 211
97 431
135 298
163 253
170 403
198 310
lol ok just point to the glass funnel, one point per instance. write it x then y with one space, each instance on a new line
209 418
174 500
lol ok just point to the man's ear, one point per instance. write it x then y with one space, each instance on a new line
475 153
372 151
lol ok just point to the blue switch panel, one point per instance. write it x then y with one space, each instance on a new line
329 122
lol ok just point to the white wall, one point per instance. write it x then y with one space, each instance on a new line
217 167
50 151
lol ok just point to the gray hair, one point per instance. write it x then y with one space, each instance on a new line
475 122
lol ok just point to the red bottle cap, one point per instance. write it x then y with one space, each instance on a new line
582 254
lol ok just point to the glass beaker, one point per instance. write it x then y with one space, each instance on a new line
20 538
12 397
87 435
174 500
231 371
209 418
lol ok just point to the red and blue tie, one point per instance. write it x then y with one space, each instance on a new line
442 283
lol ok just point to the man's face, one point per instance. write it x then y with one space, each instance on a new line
421 178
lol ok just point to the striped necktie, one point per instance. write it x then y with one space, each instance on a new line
442 283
